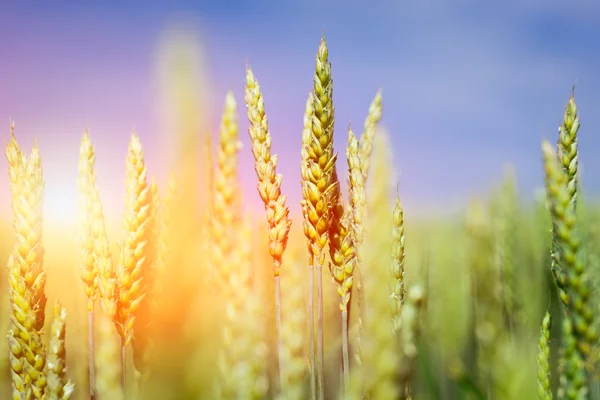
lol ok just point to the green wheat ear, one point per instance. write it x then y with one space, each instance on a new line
544 388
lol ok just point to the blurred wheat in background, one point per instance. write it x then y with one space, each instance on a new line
195 296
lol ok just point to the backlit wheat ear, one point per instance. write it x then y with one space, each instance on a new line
269 187
132 262
59 386
142 341
225 213
86 183
366 139
26 274
318 186
88 198
365 150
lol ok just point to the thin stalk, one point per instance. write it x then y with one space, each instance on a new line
278 323
123 367
320 357
91 352
345 357
311 321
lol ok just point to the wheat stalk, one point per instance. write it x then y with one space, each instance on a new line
294 361
108 360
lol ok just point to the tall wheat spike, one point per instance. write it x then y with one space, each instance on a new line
370 128
344 235
142 341
132 262
365 150
569 160
87 263
225 215
26 274
318 186
375 378
224 223
397 267
269 188
570 257
59 386
306 140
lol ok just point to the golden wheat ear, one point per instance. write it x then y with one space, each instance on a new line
59 386
269 188
133 258
26 273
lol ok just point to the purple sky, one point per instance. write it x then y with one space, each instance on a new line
467 89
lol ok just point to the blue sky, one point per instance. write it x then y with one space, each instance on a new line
468 87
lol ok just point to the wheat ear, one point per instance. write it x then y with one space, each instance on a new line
27 277
225 215
309 112
570 252
132 262
269 188
569 160
376 376
544 389
59 386
142 342
397 270
366 147
366 140
318 185
572 379
87 269
341 265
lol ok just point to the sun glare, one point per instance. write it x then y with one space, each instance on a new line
60 200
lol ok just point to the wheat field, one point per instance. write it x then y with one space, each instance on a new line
337 297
